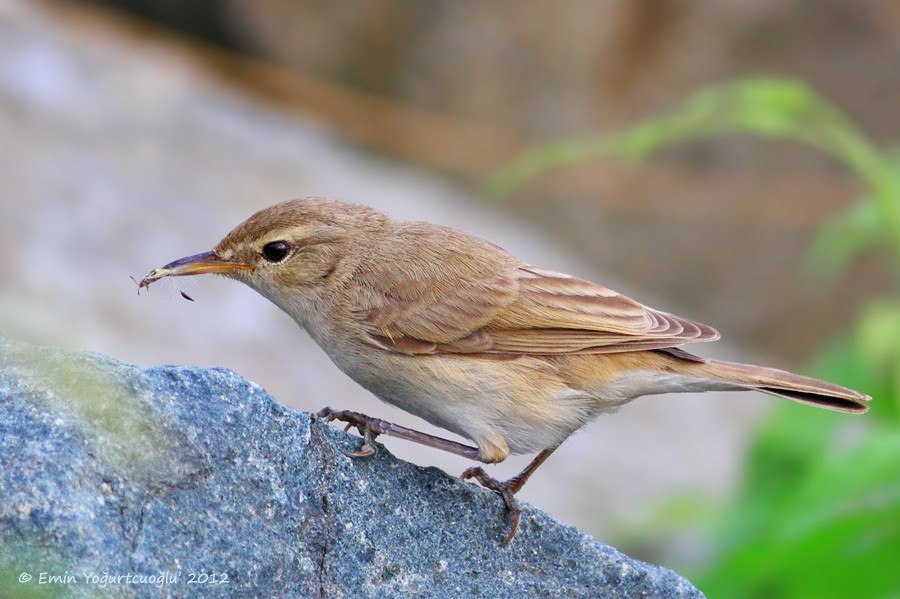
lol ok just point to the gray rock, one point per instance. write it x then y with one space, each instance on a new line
178 481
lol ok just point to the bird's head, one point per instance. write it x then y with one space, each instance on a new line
284 251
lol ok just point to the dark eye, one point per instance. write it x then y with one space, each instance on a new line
276 251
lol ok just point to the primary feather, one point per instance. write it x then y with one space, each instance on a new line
500 305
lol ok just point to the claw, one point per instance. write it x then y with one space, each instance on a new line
368 447
506 490
367 427
370 428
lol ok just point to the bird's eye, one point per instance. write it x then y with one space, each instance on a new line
276 251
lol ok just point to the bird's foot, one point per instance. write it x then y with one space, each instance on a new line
506 490
370 428
367 426
509 488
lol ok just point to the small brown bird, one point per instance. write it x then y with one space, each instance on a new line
457 331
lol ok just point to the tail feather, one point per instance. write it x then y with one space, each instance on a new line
795 387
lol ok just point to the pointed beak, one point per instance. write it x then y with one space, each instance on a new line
199 264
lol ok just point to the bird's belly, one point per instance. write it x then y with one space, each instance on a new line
522 400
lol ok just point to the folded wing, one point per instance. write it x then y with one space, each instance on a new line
527 311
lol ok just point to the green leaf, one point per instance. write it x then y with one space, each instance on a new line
762 106
843 237
819 517
769 107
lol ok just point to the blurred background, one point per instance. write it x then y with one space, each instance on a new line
730 162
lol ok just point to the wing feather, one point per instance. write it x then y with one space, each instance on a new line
500 306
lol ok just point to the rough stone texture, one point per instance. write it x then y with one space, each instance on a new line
196 475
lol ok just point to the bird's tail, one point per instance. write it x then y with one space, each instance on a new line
795 387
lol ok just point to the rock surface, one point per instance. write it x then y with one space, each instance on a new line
178 481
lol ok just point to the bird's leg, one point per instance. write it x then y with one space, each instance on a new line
370 428
508 489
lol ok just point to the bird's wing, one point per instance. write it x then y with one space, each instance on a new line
556 313
448 299
527 310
